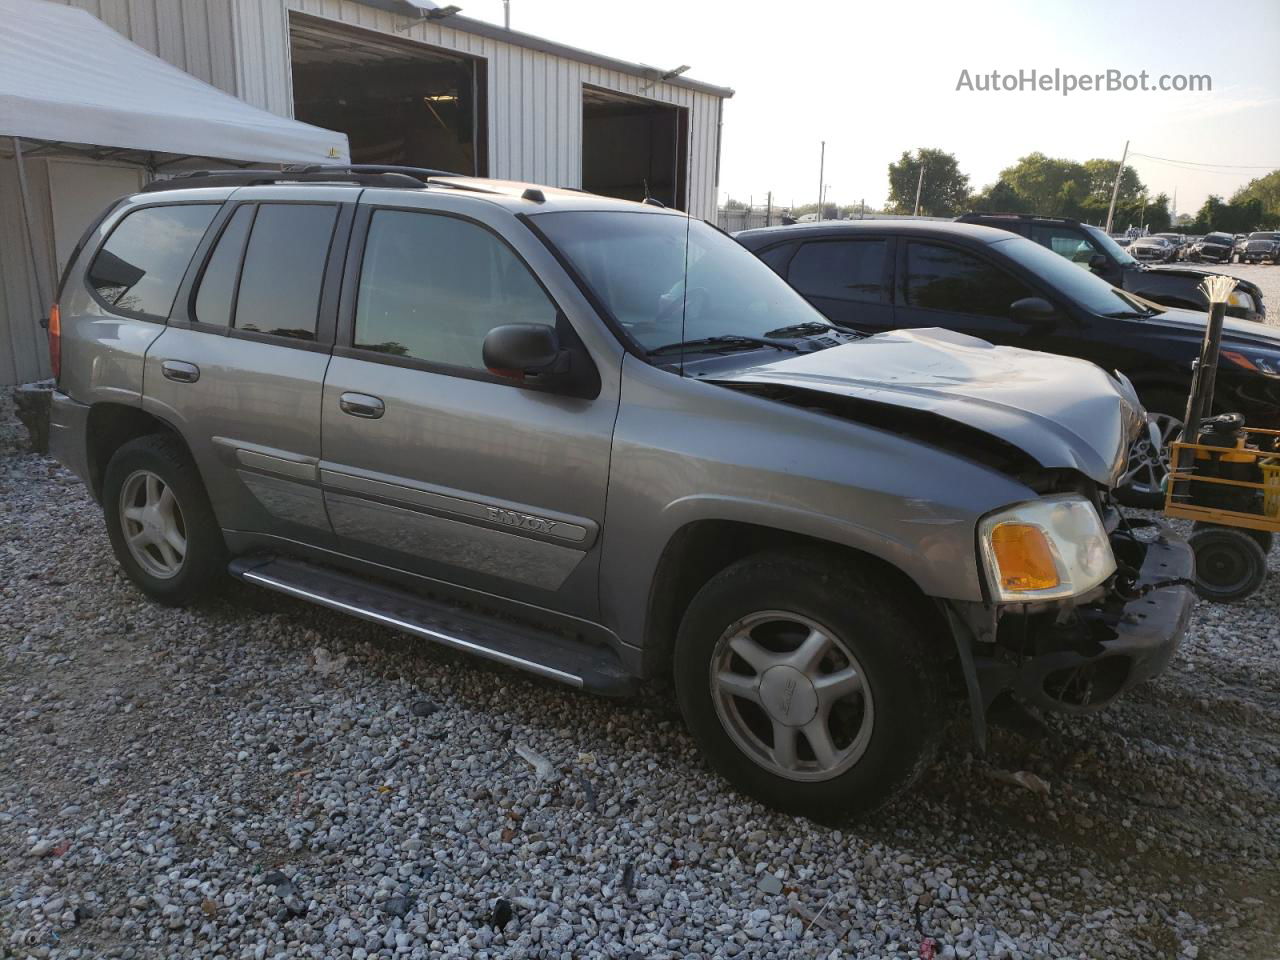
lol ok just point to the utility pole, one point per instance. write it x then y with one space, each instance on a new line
919 183
863 212
506 14
768 210
1115 187
822 175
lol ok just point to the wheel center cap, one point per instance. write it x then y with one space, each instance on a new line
788 696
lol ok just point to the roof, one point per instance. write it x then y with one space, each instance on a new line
531 42
68 78
834 228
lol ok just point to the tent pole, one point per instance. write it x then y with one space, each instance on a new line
24 197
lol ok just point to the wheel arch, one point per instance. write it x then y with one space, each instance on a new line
109 427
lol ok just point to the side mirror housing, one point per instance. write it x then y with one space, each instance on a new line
525 350
1036 312
1097 262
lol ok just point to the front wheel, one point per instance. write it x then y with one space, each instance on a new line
1230 564
807 686
1142 484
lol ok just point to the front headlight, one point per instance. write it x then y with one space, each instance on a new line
1045 549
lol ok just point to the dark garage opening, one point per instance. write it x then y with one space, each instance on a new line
398 102
630 144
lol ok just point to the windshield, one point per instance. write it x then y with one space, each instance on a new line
1089 291
1218 238
635 264
1108 246
1263 236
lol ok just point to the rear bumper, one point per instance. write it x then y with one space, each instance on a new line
68 435
1079 659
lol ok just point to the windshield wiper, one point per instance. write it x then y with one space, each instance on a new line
802 329
732 340
1129 314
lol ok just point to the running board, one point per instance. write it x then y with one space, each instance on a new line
550 655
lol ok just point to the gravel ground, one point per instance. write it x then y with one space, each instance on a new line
1265 275
260 778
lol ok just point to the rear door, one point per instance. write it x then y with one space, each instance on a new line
240 368
848 280
434 465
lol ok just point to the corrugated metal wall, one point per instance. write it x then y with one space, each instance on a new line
535 100
24 354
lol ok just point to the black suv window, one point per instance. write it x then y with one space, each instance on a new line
1065 241
140 266
284 269
943 278
217 292
432 287
840 270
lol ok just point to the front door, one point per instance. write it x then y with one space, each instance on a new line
431 463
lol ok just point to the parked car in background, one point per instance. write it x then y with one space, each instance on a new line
1238 246
883 275
1173 286
599 441
1153 250
1121 239
1261 247
1179 243
1212 248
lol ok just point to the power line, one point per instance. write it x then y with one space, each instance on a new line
1197 163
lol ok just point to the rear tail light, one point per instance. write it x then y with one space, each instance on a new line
55 342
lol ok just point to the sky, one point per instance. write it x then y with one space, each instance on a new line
875 79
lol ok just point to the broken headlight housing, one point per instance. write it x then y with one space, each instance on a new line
1047 549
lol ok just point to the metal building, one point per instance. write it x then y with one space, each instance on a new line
428 90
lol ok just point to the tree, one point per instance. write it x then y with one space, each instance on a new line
998 197
1049 186
1265 190
1102 176
945 191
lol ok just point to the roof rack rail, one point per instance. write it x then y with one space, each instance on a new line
973 214
311 174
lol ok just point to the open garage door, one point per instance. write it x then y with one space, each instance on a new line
398 101
633 148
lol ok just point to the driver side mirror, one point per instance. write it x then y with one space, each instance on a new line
1097 262
522 351
1037 312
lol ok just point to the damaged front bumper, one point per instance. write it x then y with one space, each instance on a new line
1079 656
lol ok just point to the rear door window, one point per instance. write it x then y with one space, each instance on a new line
840 270
216 295
283 270
1065 242
943 278
138 270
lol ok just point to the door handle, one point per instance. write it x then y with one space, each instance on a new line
180 371
362 405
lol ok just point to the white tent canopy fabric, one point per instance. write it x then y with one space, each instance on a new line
67 77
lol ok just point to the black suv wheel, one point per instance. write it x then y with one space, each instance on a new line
160 523
807 686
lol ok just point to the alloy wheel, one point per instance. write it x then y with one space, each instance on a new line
1148 463
791 695
153 526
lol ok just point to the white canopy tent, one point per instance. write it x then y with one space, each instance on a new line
71 86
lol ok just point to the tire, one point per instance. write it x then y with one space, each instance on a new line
1230 565
1147 466
136 508
1264 538
883 730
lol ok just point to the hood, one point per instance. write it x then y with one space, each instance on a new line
1235 333
1063 413
1198 275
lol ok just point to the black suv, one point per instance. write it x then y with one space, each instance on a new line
1171 285
876 275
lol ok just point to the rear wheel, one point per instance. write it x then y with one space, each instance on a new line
1230 565
160 523
1264 538
1142 484
809 687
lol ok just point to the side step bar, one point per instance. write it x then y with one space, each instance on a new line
547 654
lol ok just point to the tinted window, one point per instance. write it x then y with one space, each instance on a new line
140 266
218 285
840 269
1084 287
284 268
777 257
432 287
1064 241
942 278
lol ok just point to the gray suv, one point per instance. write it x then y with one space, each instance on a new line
602 442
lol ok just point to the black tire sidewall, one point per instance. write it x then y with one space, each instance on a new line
1245 546
900 665
205 558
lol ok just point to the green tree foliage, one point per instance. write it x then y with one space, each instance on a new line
1265 190
945 192
1049 186
1102 176
999 197
1243 214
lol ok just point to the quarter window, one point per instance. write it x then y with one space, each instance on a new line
432 287
284 269
140 266
215 297
942 278
840 270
